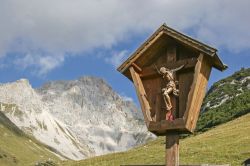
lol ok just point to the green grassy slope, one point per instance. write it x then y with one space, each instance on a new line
18 149
227 99
228 143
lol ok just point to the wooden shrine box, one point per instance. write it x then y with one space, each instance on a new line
171 49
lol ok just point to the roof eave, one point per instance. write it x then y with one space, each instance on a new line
122 68
180 37
220 66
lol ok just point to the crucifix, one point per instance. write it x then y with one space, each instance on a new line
169 89
166 96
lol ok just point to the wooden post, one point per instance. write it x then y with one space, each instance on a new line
172 149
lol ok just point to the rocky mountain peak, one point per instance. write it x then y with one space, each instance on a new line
17 92
21 83
78 118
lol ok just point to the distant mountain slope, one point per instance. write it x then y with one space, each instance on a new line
24 107
227 99
78 119
228 143
18 149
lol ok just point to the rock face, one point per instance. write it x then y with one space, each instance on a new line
79 118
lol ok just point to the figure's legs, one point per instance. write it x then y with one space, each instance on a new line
168 104
167 99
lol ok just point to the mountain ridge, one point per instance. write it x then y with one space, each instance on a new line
79 118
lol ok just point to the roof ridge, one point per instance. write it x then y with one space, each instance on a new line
187 40
188 37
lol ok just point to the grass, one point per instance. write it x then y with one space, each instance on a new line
228 143
18 149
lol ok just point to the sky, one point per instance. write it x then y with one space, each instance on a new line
46 40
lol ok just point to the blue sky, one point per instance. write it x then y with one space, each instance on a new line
48 40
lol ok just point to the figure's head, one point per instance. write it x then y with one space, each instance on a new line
163 70
166 73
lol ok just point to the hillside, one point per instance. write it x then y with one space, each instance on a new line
208 147
227 99
18 149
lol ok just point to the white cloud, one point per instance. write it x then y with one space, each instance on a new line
126 98
117 58
40 64
59 27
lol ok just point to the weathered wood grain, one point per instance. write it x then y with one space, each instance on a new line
197 92
141 94
172 149
165 125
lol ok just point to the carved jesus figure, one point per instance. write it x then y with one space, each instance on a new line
170 88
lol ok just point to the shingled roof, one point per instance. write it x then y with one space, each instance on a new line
184 39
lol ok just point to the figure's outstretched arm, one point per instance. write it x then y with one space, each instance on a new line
177 69
157 69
